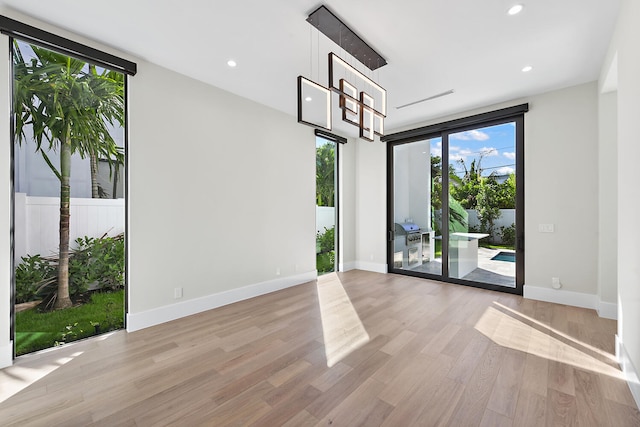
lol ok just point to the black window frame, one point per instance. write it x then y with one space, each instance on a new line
20 31
443 130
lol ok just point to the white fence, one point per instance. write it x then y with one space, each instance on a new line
507 217
37 222
325 217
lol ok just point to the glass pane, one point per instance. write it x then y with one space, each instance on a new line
325 205
68 164
417 243
482 197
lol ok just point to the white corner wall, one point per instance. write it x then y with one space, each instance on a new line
561 182
624 52
608 202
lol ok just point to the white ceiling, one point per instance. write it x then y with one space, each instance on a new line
431 46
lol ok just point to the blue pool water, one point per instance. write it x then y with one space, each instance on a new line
505 256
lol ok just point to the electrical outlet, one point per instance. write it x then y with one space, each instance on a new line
555 283
177 293
278 271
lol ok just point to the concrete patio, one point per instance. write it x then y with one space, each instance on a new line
496 272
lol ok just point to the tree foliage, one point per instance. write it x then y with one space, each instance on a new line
68 105
471 191
325 175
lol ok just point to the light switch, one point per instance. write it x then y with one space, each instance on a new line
545 228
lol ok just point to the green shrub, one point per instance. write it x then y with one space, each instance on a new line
96 263
32 273
327 241
326 250
325 262
508 235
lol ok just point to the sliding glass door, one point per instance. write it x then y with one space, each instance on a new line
455 205
417 207
482 201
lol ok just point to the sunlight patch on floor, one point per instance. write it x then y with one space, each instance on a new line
341 327
16 378
603 353
510 332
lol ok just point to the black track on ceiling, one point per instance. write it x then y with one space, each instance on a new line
31 34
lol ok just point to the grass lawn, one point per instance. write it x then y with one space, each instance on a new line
491 246
36 331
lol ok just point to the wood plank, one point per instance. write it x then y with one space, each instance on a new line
493 419
535 376
471 406
561 409
589 400
438 354
531 409
504 396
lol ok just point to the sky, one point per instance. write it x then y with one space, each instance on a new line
497 143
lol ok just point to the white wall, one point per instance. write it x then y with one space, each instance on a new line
412 183
347 205
214 168
608 198
624 53
371 206
561 181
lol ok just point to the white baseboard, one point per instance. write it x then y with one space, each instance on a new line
371 266
559 296
145 319
629 371
347 266
608 310
6 355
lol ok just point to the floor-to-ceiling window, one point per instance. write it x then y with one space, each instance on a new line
456 201
326 204
69 169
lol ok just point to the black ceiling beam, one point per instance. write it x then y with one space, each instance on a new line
331 26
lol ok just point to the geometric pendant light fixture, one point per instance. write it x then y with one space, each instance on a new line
362 101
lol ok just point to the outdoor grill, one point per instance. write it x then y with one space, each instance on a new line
407 245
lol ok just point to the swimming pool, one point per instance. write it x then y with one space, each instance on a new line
505 256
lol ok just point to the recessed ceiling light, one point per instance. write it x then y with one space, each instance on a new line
515 9
231 63
527 69
308 99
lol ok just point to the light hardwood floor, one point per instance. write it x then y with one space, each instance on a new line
403 352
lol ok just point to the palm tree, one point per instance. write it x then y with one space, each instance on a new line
116 79
68 106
